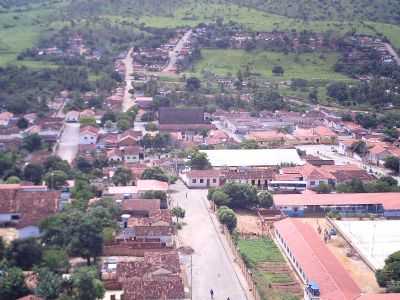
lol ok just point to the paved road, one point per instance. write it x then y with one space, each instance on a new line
69 142
236 137
173 55
390 49
213 266
128 99
325 151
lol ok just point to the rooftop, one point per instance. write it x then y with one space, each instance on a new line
390 201
253 158
317 262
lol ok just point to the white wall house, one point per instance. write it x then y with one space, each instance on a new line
88 135
202 178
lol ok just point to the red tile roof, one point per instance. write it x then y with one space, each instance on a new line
203 173
390 201
316 260
32 204
140 205
380 297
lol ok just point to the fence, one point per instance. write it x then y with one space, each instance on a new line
238 258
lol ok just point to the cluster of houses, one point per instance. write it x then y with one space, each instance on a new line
75 46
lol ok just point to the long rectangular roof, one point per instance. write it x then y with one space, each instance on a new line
253 157
316 260
390 201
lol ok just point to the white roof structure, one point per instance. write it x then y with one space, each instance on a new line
374 240
253 158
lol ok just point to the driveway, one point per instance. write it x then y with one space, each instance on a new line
69 142
212 261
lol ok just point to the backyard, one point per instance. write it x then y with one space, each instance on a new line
271 273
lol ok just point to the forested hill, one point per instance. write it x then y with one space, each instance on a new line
387 11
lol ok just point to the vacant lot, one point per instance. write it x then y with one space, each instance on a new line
309 66
272 275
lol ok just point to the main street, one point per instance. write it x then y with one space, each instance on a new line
128 102
69 142
212 262
173 55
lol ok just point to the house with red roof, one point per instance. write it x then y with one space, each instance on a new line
24 207
322 274
202 178
88 135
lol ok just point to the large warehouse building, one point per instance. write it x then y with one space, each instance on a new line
253 157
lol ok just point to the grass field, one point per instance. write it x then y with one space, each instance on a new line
258 253
308 66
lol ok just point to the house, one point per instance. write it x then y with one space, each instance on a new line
24 207
312 175
258 177
202 178
115 155
5 118
319 270
188 121
144 102
132 154
129 138
315 135
87 113
270 138
352 204
140 207
72 116
88 135
156 276
345 146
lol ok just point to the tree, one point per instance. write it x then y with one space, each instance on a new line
86 284
123 124
265 199
199 161
359 147
12 283
193 84
278 71
323 188
389 276
108 116
55 179
249 144
391 134
313 96
33 173
86 241
56 163
242 195
147 117
155 173
56 259
151 127
85 121
2 248
178 213
392 163
227 217
49 284
83 165
22 123
122 176
338 91
220 198
13 180
32 142
24 253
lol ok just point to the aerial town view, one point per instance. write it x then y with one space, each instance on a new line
199 150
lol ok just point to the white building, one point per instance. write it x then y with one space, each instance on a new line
202 178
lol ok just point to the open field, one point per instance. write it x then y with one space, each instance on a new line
308 66
272 275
